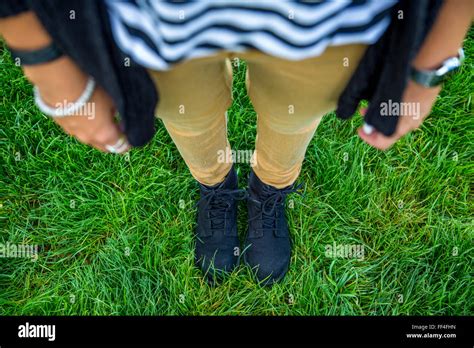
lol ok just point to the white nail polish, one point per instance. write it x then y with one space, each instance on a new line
367 128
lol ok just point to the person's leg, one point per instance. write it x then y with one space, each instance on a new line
290 99
194 97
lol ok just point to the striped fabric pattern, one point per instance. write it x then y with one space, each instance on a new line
158 34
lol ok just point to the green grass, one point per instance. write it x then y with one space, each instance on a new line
114 240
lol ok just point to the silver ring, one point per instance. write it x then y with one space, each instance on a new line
120 146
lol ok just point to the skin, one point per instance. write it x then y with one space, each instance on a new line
63 80
442 42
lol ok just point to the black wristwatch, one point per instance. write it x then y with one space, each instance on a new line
432 78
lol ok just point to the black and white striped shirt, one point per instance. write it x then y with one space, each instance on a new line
157 34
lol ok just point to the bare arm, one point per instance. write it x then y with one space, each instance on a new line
25 32
447 34
61 80
443 41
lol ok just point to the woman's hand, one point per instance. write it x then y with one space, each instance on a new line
443 41
96 127
60 82
417 102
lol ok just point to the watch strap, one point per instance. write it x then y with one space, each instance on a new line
40 56
432 78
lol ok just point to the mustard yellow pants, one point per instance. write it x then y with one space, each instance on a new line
289 97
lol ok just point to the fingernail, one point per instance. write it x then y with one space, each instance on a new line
367 128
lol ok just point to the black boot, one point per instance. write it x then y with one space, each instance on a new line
267 248
217 244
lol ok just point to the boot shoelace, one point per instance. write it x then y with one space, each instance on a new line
273 199
217 204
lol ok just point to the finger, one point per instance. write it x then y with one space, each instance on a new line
111 140
121 146
102 137
377 139
71 130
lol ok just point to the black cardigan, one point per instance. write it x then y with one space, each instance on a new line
82 30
